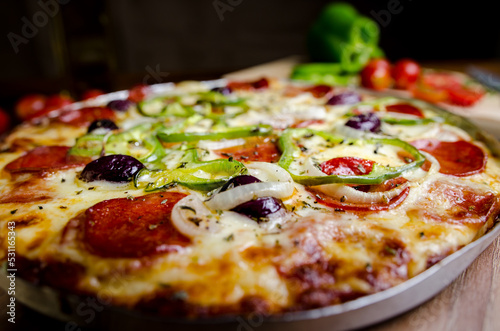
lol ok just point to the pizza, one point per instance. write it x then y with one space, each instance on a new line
202 199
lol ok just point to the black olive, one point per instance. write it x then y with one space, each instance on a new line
112 168
104 124
365 122
238 181
224 90
346 98
259 208
120 105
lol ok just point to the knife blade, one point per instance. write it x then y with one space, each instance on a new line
485 77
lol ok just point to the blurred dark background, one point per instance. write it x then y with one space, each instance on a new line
75 45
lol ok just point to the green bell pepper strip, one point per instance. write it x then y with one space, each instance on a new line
218 99
407 121
212 100
403 121
208 112
141 138
229 133
139 142
163 107
323 73
88 145
179 126
328 79
150 149
187 174
317 68
378 174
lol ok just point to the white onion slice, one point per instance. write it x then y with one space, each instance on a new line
220 144
349 194
419 173
192 218
280 185
346 131
304 112
268 172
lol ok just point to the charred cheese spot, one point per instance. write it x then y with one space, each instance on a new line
27 220
457 204
333 264
34 189
32 230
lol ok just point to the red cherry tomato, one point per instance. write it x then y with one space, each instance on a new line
4 121
93 93
347 166
405 73
29 105
463 96
138 93
377 74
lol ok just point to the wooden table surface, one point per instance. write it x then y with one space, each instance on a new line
471 302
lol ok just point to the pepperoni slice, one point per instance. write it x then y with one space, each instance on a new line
347 166
307 123
468 205
462 205
459 158
319 91
84 116
261 149
404 108
259 84
44 159
132 228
